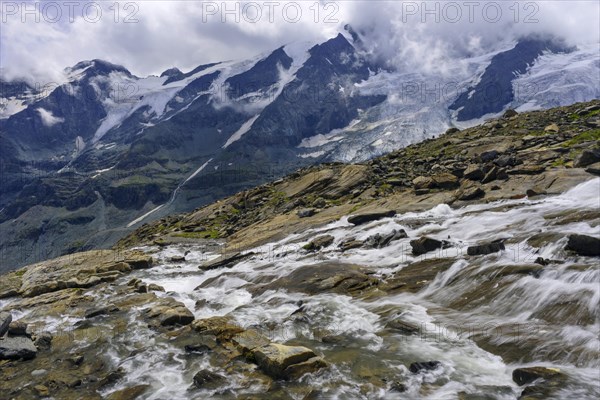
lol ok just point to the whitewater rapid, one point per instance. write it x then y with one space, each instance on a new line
511 314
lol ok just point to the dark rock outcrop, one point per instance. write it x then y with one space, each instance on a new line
584 245
487 248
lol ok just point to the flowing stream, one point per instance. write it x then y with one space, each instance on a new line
481 318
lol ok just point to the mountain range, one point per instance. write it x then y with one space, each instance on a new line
85 161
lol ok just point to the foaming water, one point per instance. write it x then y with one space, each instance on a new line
481 317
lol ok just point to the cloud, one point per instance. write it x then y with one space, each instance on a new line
48 119
148 37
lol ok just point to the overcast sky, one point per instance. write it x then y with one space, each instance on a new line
147 37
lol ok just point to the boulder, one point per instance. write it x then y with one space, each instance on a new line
177 259
425 245
225 261
523 376
445 181
139 260
488 156
285 362
168 311
319 243
18 328
471 193
306 212
42 340
552 128
5 320
584 245
423 182
15 348
379 241
510 113
592 169
363 218
417 367
487 248
474 173
206 379
350 244
491 175
587 157
506 161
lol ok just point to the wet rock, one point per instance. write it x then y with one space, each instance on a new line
169 311
285 362
403 327
474 173
18 328
417 367
399 387
379 241
220 327
587 157
225 261
306 212
94 312
139 260
523 376
16 348
43 340
206 379
425 245
471 193
177 259
584 245
363 218
129 393
153 287
544 238
350 244
416 276
334 277
487 248
5 320
319 243
532 192
593 169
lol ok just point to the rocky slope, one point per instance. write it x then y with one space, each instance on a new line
461 267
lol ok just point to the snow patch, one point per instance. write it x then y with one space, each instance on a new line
240 132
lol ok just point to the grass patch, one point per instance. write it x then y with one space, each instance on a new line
208 234
575 117
588 136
